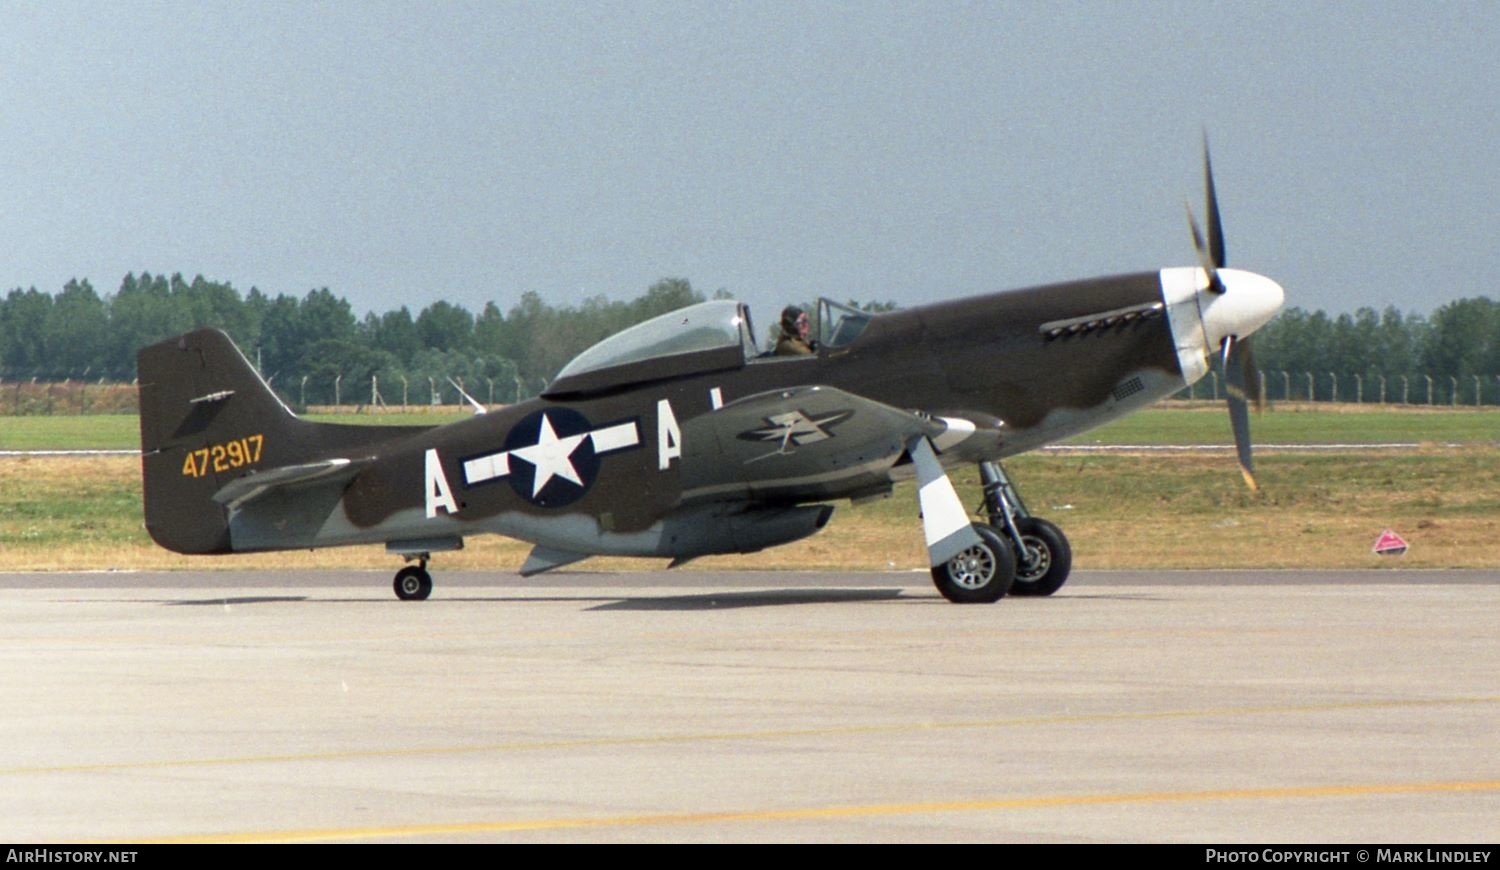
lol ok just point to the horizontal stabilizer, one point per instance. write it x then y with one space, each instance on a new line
245 489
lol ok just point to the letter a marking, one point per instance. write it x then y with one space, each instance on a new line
439 494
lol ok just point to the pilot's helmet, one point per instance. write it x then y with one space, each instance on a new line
790 316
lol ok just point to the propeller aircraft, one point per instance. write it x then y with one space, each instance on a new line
678 438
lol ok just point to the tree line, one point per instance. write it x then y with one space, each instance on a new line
1457 344
315 349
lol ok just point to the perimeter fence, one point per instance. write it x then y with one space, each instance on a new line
400 393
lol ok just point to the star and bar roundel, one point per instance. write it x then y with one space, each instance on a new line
551 457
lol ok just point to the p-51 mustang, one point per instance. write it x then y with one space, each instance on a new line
677 438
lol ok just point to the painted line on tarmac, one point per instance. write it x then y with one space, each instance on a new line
13 454
1259 448
312 835
729 736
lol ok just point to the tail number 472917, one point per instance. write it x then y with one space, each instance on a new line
222 457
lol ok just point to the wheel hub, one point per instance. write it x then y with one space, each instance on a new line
973 568
1036 561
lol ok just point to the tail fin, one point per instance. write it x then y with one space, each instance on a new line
208 419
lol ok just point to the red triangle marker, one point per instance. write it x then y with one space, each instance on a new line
1390 544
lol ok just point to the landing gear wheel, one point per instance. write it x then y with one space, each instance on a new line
1044 567
979 575
413 583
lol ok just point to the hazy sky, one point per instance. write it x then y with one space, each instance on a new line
403 153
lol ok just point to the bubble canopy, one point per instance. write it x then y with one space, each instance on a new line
721 323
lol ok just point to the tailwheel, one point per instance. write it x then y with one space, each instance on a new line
413 583
982 574
1044 566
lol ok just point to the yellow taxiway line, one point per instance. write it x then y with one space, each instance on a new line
834 812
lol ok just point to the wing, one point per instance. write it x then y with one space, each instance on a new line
817 443
808 443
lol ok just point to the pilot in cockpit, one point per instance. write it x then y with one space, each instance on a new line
795 337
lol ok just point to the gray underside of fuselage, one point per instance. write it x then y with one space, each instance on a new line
714 527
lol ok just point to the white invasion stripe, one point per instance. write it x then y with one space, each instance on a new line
958 429
487 467
942 512
616 437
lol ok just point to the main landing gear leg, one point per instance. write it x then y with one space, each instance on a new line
1043 557
970 563
413 583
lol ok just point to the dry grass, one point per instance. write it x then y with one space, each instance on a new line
1323 511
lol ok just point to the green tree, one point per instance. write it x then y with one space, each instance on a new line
445 326
394 332
1464 341
23 331
340 371
77 332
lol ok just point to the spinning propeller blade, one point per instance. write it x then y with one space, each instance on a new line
1238 370
1236 363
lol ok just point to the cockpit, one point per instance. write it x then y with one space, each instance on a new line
839 325
709 336
717 325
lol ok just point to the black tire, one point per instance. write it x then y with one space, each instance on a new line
413 583
1045 567
979 575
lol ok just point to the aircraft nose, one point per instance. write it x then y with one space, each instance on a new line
1248 302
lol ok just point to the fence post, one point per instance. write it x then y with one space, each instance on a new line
1335 379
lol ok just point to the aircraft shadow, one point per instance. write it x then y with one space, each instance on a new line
705 601
252 599
756 598
697 602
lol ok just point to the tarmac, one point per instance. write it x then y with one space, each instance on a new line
1199 707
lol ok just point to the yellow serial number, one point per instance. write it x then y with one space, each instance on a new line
224 456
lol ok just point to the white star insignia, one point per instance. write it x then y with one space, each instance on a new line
552 456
